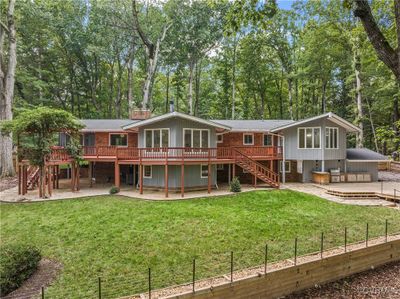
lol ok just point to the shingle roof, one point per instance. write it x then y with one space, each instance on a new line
253 125
364 154
105 125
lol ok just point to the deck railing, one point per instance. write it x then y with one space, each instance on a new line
169 153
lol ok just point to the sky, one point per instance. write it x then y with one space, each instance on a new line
285 4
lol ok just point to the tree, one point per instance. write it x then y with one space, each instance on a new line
7 79
385 52
35 129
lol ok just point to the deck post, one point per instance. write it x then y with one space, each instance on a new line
54 176
166 179
19 179
234 170
90 174
209 177
182 180
72 172
78 175
116 175
49 179
141 178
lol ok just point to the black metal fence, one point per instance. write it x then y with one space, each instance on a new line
189 277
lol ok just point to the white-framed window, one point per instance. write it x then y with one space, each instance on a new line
204 171
248 139
147 171
309 137
118 139
332 137
196 138
154 138
287 166
220 166
220 138
268 140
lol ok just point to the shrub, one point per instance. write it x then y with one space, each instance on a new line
17 263
235 185
114 190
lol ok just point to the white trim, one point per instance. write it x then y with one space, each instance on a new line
191 137
201 171
288 170
329 139
305 138
272 139
127 139
152 136
361 161
222 136
252 135
331 116
175 114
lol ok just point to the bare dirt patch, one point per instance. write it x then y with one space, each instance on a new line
46 273
383 282
8 183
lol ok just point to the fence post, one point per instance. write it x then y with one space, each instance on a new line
42 292
345 239
366 236
231 266
194 273
99 286
322 244
386 230
149 283
295 251
266 259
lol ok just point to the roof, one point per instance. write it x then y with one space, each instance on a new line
253 125
331 116
175 114
364 155
105 125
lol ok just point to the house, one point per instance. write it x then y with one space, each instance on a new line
179 152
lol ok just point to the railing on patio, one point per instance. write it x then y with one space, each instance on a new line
168 153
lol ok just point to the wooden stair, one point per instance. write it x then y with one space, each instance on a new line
364 195
256 169
33 177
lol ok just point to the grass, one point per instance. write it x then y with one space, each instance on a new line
118 239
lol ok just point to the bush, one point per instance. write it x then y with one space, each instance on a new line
235 185
114 190
17 263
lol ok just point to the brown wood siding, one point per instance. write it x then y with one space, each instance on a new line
103 139
236 139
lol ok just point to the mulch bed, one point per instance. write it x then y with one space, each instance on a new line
383 282
46 273
8 183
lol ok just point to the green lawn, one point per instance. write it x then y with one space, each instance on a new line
118 238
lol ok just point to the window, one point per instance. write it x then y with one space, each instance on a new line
268 140
220 138
220 166
287 166
248 139
196 138
309 137
156 138
119 139
204 171
147 171
88 139
331 137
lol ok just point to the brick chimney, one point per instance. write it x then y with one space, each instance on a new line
140 114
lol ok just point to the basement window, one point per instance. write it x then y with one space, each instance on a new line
147 171
204 171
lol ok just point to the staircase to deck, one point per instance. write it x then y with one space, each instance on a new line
256 169
33 177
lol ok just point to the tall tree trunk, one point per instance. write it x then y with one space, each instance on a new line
197 87
360 113
323 97
234 76
289 80
372 126
167 92
396 117
7 94
190 94
130 83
